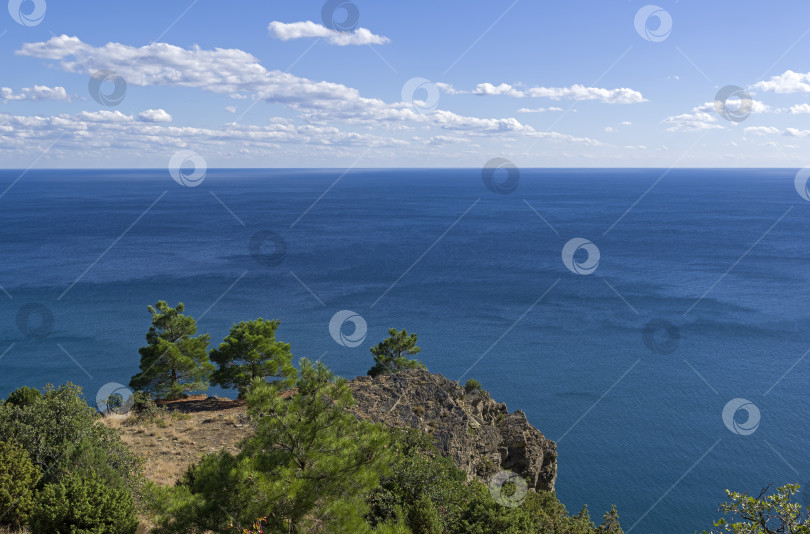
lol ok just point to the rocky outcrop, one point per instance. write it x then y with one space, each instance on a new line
479 434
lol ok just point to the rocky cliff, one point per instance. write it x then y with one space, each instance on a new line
477 432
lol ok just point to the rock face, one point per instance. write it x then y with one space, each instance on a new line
479 434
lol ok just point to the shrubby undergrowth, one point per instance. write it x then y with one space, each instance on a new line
83 476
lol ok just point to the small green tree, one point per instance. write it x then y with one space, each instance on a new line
391 355
764 514
311 450
173 362
18 476
307 468
473 385
610 522
251 351
83 505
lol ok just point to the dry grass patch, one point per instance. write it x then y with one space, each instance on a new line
193 427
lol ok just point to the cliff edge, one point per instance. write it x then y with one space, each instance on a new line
467 425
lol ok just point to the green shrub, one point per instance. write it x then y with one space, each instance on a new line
18 475
62 434
23 396
77 505
473 385
211 495
423 517
146 409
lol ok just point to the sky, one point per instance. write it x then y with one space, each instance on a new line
373 83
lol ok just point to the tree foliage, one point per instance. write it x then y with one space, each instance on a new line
174 361
310 462
391 354
61 434
764 514
23 396
251 351
83 505
18 476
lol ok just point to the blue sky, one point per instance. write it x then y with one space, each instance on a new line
275 84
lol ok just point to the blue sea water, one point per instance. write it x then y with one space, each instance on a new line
722 255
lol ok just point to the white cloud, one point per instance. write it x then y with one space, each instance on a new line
773 130
627 123
236 73
610 129
789 82
113 129
690 122
540 110
299 30
621 95
704 117
154 115
449 89
35 94
800 108
486 89
756 107
230 109
224 71
762 130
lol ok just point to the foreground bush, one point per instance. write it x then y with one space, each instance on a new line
61 434
18 475
77 505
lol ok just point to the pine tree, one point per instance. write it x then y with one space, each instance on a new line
312 454
251 351
391 355
173 362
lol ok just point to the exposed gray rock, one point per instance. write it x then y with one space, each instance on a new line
479 434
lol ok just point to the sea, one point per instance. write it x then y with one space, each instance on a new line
653 322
